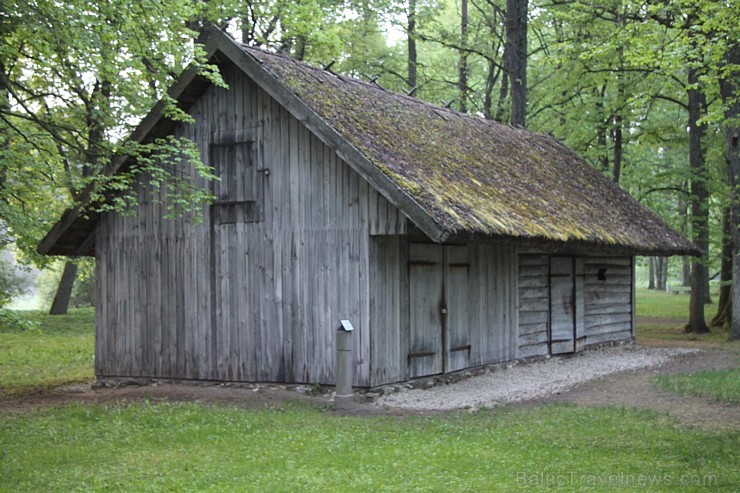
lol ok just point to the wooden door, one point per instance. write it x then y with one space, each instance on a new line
238 203
455 309
439 338
562 305
426 280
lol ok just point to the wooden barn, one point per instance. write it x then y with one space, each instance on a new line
447 240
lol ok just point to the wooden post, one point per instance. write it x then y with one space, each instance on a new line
343 397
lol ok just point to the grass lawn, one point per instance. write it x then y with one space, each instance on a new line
722 385
195 447
662 316
59 351
192 447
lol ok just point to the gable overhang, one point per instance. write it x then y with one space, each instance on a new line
329 136
73 234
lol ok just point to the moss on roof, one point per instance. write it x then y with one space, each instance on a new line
475 176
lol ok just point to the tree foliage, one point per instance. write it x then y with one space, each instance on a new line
609 78
75 78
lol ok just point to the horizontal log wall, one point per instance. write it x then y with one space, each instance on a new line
534 305
304 265
608 302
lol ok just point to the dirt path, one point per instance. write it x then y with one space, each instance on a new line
629 389
634 389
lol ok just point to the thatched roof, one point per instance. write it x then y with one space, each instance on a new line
456 175
475 176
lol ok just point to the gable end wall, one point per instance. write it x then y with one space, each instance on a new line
161 313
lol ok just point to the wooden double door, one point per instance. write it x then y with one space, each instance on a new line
438 331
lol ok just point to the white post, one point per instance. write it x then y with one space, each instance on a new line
343 397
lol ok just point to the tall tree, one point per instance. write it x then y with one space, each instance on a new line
728 86
412 61
515 58
77 75
463 57
699 210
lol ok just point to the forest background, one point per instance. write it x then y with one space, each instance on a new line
646 91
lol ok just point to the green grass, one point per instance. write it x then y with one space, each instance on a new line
662 317
660 304
59 351
722 385
192 447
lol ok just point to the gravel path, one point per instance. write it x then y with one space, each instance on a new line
528 381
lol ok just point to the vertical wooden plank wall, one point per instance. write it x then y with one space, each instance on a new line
305 265
491 307
493 303
388 309
534 305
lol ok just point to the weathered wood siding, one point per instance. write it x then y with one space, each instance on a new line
608 301
603 307
487 320
493 303
534 305
281 282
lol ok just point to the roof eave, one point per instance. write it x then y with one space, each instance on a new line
48 245
582 247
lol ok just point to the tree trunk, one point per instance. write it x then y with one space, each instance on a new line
411 37
64 291
503 92
601 130
300 48
487 97
725 272
728 91
463 62
515 58
618 144
724 317
4 106
686 271
661 271
699 211
651 272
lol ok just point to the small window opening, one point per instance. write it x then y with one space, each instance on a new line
239 188
601 275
